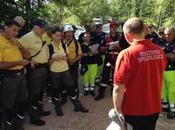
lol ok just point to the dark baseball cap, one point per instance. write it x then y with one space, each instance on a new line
40 23
99 25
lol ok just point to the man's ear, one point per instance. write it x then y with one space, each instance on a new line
5 28
146 31
129 37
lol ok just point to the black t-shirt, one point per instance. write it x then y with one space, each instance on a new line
99 38
170 48
90 59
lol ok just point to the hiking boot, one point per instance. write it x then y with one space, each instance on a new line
38 122
171 115
92 93
86 93
9 126
44 113
99 97
166 110
81 109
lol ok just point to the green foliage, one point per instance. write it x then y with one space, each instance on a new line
157 12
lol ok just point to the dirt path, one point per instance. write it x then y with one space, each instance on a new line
96 119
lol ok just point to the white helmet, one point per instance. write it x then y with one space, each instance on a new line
68 28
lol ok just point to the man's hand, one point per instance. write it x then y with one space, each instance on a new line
114 45
170 56
103 49
24 62
63 57
71 61
85 54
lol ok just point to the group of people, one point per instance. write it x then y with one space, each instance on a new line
144 75
27 62
166 40
48 59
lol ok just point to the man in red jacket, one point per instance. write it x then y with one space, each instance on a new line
138 78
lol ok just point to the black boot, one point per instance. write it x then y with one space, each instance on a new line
92 88
86 93
79 107
171 115
58 108
166 110
19 123
43 112
99 97
34 117
101 92
37 122
9 125
92 93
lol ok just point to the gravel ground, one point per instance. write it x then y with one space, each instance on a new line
96 119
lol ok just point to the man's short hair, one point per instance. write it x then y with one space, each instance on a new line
170 29
40 23
11 23
134 26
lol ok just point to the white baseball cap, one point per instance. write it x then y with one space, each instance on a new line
20 20
68 28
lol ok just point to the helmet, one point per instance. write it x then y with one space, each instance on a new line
68 28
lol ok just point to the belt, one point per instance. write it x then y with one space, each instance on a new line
41 65
12 73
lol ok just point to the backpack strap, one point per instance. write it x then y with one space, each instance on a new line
43 43
69 42
76 45
51 50
64 46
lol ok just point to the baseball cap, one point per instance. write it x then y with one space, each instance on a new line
40 23
99 25
68 28
113 23
20 20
